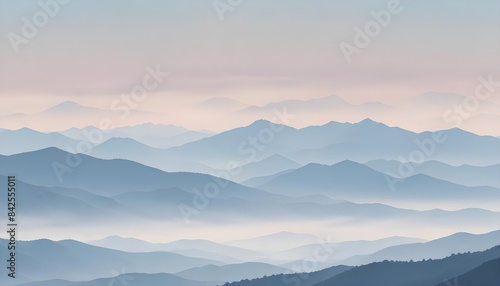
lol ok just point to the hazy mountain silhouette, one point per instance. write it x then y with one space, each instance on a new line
193 248
276 241
391 273
70 108
435 249
233 272
339 251
73 260
395 144
154 135
128 279
327 144
302 278
466 175
422 273
259 181
64 205
268 166
342 181
319 107
219 149
25 140
158 194
69 114
335 142
130 149
112 177
287 141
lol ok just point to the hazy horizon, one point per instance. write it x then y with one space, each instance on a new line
201 142
254 56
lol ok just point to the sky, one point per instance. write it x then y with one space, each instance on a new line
256 52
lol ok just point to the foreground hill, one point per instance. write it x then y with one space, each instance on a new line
302 279
393 273
488 274
131 279
435 249
72 260
233 272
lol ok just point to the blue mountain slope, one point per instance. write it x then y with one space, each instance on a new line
488 274
353 181
128 279
112 177
25 139
72 260
435 249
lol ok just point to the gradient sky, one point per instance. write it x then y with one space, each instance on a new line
264 50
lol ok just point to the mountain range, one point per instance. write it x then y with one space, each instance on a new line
69 114
396 273
72 260
466 175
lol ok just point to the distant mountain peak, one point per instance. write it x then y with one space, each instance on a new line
349 165
122 140
48 150
24 129
278 157
313 165
349 162
343 165
67 106
263 123
155 124
332 97
368 121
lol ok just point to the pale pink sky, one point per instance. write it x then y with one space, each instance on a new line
91 52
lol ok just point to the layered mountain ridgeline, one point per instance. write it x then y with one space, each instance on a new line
173 148
290 249
466 175
127 182
72 260
68 260
342 181
115 193
129 279
75 204
434 249
474 268
334 194
478 268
